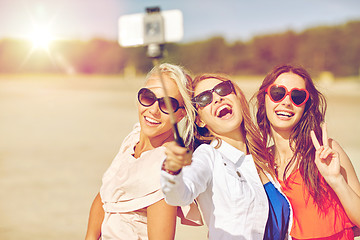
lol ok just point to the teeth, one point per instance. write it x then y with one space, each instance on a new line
218 111
288 114
151 120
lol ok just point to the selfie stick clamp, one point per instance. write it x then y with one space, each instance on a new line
154 39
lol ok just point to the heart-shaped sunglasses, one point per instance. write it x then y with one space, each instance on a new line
277 93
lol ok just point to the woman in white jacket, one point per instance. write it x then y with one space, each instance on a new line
228 174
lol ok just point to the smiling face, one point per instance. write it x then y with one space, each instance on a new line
154 123
223 115
284 115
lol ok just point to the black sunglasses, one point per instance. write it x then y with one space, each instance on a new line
222 89
277 93
147 98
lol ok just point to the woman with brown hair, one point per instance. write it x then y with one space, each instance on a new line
317 176
227 171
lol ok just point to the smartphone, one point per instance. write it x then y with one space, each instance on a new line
142 29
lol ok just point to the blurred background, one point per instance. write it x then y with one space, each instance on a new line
68 90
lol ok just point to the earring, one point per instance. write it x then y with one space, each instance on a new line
201 124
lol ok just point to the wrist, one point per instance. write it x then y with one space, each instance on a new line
336 181
163 168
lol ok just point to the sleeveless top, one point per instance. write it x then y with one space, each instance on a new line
279 214
309 221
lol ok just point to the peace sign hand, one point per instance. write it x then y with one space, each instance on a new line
327 159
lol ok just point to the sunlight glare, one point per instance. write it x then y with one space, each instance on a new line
41 37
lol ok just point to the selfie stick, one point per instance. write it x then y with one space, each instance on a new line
154 35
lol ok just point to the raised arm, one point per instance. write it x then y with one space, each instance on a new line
338 171
347 186
96 218
181 188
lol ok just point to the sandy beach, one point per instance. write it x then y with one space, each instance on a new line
58 134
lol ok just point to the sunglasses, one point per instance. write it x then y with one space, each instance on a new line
222 89
277 93
147 98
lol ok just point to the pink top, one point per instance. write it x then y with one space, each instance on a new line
129 186
132 183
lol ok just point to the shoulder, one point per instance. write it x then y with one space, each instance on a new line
348 170
205 153
132 138
205 149
136 128
336 146
135 132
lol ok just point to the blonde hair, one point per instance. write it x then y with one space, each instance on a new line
184 82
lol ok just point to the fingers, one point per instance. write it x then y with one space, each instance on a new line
188 158
314 140
326 152
174 148
176 157
324 135
325 139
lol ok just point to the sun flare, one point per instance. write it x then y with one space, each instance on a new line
41 37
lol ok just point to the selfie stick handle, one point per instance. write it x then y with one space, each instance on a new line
177 136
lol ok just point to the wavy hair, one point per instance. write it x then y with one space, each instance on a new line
183 80
253 140
300 141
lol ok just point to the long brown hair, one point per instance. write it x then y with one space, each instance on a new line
300 141
253 140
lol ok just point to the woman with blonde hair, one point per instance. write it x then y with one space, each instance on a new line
130 204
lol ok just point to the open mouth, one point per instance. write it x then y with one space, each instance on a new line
223 111
285 114
151 121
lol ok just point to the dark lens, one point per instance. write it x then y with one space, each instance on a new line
298 96
223 89
146 97
277 93
174 103
203 99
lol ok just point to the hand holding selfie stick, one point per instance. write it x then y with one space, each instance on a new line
154 34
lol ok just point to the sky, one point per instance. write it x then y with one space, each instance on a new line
232 19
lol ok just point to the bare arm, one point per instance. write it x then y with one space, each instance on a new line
338 171
96 218
161 221
347 186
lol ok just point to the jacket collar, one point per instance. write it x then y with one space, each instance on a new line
229 152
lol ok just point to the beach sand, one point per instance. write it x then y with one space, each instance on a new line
58 134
